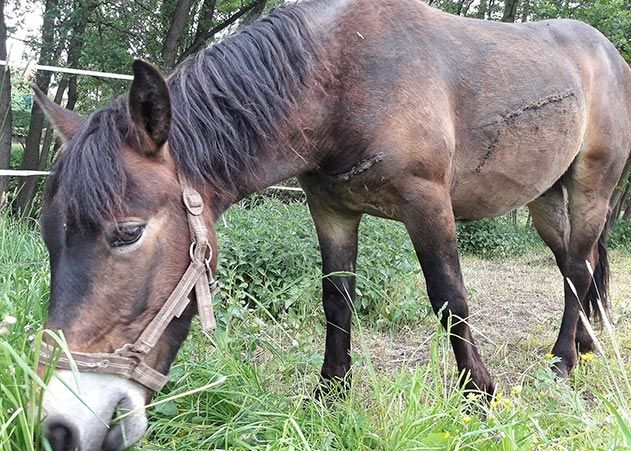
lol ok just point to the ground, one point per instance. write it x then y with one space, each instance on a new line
403 393
516 307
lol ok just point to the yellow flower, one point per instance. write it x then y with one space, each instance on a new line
516 390
549 356
473 396
499 396
494 404
507 403
466 419
446 435
588 357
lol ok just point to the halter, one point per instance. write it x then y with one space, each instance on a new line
129 360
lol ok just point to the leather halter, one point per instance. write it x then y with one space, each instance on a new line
129 360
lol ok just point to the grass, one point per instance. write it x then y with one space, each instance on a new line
402 396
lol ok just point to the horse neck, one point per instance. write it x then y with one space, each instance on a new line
298 146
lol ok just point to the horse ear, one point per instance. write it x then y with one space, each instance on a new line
149 107
66 122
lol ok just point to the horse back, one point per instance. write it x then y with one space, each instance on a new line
483 107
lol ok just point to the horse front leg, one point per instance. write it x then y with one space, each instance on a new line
431 226
337 235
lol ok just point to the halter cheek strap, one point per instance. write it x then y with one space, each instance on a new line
129 360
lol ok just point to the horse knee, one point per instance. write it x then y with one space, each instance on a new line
577 272
452 309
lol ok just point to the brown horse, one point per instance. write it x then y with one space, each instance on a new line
389 108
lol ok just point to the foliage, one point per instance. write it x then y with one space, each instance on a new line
105 35
620 235
496 238
21 100
610 17
269 251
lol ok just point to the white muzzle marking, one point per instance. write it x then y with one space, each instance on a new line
85 403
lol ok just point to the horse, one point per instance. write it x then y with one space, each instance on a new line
388 108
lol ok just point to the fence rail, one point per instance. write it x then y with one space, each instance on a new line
17 173
66 70
12 173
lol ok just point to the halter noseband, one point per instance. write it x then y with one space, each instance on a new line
129 360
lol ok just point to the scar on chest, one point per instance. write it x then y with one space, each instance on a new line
359 167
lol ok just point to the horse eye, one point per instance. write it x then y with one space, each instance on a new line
126 234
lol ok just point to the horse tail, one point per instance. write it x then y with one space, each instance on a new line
599 289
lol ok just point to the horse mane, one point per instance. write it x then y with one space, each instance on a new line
226 100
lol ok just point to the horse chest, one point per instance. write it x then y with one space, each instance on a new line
372 194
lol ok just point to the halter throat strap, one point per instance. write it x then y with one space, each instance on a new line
129 360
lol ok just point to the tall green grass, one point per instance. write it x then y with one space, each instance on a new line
23 296
269 349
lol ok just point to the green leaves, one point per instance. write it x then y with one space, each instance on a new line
611 17
496 238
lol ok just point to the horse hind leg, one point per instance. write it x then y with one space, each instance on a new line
587 211
430 223
551 219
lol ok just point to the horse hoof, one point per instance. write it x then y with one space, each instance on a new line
330 390
561 370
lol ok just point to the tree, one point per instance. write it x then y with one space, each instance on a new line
103 35
59 33
176 33
49 53
6 119
206 31
510 10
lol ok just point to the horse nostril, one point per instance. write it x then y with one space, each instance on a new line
115 437
130 429
62 436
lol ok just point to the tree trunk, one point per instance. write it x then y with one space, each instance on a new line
510 10
459 6
620 194
36 153
465 10
31 157
49 135
481 14
206 14
513 217
6 119
621 202
489 10
525 11
176 33
255 13
75 48
202 37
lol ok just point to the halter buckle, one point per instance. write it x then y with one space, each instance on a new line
193 201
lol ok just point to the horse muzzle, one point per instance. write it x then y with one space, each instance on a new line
79 409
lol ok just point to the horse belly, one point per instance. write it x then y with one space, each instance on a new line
508 160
